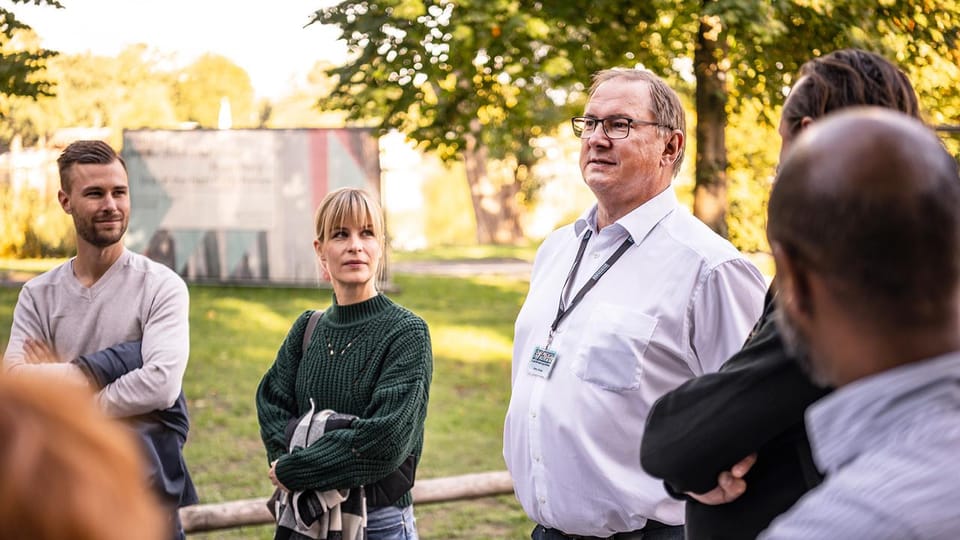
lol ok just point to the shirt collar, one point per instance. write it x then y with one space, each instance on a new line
851 419
639 222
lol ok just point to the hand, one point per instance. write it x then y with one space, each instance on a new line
730 484
273 476
38 352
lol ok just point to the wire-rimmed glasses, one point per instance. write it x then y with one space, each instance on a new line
614 127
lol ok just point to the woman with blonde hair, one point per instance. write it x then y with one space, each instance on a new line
367 363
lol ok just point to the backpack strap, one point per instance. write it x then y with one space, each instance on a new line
311 325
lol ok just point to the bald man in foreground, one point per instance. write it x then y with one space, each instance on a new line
864 223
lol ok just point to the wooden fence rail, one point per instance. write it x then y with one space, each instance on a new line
232 514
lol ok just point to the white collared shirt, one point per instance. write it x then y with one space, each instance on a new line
676 305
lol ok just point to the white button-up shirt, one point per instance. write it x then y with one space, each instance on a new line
676 305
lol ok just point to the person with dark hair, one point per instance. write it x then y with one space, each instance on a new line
104 297
67 472
648 298
733 443
871 308
342 408
842 79
92 152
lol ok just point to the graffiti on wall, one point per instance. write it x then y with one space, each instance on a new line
238 205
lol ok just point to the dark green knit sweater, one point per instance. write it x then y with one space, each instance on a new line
380 371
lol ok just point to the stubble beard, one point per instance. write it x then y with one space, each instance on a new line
797 347
87 230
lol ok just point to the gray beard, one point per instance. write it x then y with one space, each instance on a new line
797 347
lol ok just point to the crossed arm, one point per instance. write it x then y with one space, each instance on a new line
726 417
101 368
165 346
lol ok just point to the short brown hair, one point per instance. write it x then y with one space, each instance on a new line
68 472
667 109
85 152
847 78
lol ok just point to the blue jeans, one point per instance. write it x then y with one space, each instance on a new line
391 523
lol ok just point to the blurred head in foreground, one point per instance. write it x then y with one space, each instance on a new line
66 471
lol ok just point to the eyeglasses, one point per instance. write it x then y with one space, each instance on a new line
614 127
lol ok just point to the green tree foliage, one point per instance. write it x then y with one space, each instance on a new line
135 89
754 149
746 51
126 91
201 86
469 81
32 225
21 63
449 73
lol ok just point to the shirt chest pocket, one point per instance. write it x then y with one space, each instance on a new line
612 346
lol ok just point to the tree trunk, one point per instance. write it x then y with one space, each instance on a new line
494 204
710 193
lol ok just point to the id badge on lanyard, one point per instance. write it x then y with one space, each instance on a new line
542 362
543 359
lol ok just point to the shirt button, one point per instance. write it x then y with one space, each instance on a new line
537 459
533 414
543 500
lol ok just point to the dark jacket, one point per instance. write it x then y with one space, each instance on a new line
163 432
755 403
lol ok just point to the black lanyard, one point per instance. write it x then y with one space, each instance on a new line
562 310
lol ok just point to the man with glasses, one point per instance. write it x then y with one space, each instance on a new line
631 300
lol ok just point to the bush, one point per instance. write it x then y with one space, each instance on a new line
32 226
753 148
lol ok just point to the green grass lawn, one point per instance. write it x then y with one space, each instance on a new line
467 253
235 333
